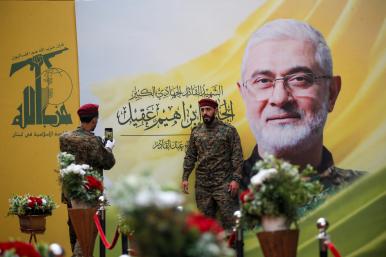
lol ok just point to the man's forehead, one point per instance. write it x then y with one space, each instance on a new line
280 56
205 107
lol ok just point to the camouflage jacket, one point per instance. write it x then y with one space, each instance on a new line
217 150
87 149
330 176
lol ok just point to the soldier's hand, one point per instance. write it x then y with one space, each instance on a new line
110 144
233 188
185 186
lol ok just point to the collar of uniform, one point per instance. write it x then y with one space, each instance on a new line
80 129
325 165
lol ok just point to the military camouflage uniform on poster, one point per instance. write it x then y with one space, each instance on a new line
217 150
87 149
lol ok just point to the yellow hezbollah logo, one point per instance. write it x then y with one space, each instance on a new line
37 100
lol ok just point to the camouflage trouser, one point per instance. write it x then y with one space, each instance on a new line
213 201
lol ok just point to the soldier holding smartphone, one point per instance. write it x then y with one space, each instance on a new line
87 149
108 135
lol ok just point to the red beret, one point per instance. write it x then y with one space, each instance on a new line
90 110
208 102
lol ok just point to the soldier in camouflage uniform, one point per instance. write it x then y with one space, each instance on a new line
87 149
216 148
289 88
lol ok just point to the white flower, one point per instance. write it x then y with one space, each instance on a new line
286 165
85 166
144 198
159 199
208 245
213 249
44 201
168 199
65 159
141 192
263 174
74 168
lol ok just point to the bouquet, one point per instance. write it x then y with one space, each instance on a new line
159 225
279 189
79 181
21 249
27 204
17 249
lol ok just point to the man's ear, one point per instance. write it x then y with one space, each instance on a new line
238 84
334 90
239 88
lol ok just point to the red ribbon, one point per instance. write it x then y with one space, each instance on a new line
232 239
332 248
102 234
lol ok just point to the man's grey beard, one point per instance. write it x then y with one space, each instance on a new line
276 138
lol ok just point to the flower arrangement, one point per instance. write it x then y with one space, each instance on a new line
210 242
27 204
16 249
278 189
65 159
21 249
158 224
79 181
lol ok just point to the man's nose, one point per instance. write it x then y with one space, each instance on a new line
280 95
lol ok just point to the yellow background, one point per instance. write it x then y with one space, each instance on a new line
27 164
356 129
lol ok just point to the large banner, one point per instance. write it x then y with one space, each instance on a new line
148 74
147 63
39 99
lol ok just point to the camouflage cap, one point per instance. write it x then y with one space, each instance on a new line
208 102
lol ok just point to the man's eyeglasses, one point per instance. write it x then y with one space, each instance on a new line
297 82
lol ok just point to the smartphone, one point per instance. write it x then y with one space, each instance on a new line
108 134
